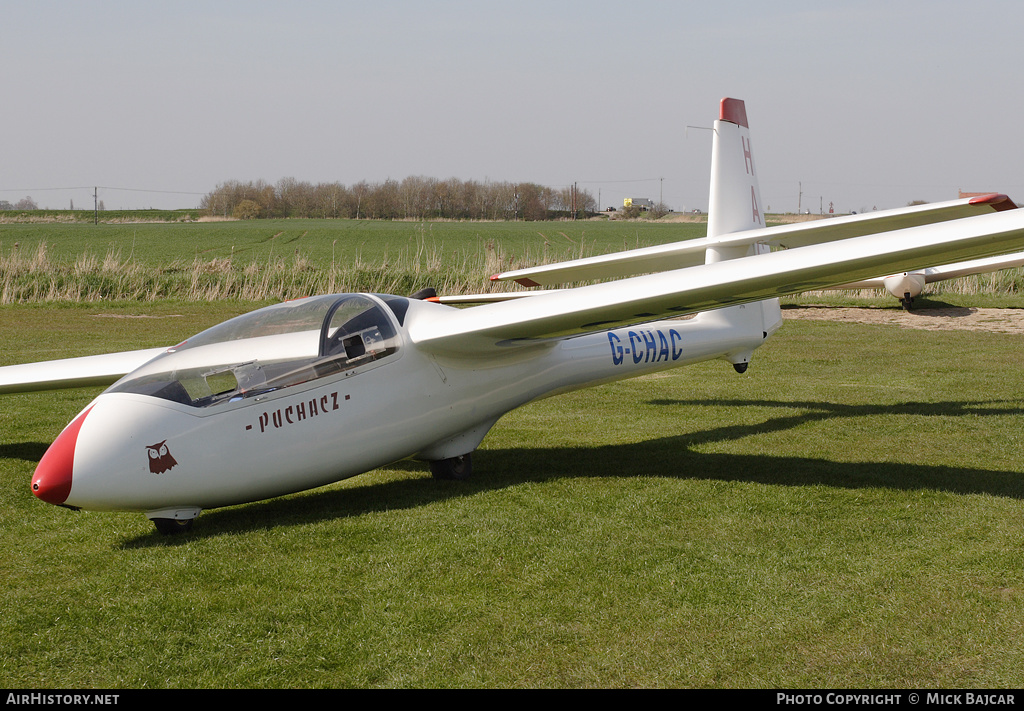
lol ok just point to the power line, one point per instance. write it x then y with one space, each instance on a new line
89 187
39 190
612 182
142 190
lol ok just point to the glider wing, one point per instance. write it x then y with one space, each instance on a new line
73 372
678 255
935 274
976 266
650 297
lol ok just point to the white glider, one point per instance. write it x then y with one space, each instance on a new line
308 392
906 286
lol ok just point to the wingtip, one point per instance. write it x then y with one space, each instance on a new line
997 201
522 281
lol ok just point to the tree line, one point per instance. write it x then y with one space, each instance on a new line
412 198
26 203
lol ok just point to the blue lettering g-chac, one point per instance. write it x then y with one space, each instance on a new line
647 346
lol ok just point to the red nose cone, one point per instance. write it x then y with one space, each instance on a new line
52 480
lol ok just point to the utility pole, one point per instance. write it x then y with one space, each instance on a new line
95 208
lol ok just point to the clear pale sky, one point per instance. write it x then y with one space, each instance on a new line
865 104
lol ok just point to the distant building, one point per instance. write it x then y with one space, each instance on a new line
642 203
971 195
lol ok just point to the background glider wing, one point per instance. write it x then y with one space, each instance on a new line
976 266
674 293
73 372
940 273
679 255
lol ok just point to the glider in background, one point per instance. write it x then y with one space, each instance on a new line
907 286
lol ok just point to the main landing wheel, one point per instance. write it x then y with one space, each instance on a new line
173 526
453 469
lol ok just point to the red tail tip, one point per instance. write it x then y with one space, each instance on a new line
734 111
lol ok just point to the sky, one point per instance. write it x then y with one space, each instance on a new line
858 105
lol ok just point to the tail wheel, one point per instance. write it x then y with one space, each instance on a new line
452 469
173 526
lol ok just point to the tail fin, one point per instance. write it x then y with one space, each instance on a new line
735 205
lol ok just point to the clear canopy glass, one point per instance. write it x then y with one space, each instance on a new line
277 347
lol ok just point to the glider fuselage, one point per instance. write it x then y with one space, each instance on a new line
265 442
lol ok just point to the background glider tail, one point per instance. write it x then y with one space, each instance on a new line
735 206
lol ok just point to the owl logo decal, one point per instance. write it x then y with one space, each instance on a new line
160 459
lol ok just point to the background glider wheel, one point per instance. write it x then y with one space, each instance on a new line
453 469
172 526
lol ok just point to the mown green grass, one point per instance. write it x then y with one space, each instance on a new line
845 514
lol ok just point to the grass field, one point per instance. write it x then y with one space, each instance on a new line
343 240
848 513
284 259
270 260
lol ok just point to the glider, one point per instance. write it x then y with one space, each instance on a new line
308 392
906 286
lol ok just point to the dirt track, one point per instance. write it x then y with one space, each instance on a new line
937 319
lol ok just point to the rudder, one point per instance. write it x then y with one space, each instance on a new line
735 197
735 206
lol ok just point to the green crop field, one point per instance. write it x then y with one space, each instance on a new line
319 240
846 514
268 260
284 259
